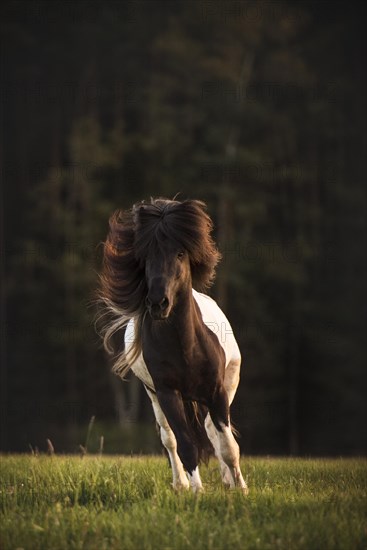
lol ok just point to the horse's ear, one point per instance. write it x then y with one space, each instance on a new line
137 210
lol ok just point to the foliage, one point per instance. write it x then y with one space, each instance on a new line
257 111
128 503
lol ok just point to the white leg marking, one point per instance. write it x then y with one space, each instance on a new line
229 447
212 434
230 453
195 481
225 446
169 441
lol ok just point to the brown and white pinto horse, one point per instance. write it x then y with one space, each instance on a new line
177 340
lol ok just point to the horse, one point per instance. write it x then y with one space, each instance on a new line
159 258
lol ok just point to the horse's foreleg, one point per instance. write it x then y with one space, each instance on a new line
173 408
228 446
180 480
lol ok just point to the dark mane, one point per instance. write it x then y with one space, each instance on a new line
132 233
186 224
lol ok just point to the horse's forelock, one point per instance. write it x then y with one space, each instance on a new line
136 232
187 224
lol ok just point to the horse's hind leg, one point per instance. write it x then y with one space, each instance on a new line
231 380
231 456
212 434
180 480
228 447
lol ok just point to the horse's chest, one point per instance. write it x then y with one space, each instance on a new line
194 370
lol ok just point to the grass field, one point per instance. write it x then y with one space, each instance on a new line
127 503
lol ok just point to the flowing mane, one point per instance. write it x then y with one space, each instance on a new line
132 233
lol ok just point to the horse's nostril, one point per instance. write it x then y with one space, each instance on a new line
157 306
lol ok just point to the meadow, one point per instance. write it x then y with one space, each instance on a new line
127 503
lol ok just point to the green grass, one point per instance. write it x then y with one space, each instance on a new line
127 503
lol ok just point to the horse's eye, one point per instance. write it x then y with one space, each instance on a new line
180 255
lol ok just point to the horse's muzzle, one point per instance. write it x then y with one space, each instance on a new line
158 311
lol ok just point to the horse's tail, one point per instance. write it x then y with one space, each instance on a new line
195 416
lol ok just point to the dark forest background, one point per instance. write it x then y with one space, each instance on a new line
257 108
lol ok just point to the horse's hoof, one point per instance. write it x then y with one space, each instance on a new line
179 487
243 489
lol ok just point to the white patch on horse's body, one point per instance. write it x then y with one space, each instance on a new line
225 446
214 318
139 368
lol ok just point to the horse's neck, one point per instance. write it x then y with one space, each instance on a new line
187 319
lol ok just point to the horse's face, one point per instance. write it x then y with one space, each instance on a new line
166 271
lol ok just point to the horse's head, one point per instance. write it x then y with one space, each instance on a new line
173 248
167 272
